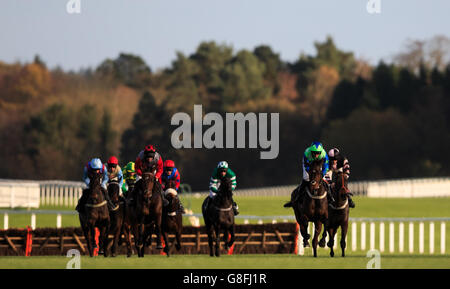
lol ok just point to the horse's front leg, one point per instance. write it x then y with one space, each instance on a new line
127 235
88 236
93 234
217 229
178 236
103 239
322 241
317 229
166 243
158 231
116 236
330 244
344 229
137 237
210 231
304 231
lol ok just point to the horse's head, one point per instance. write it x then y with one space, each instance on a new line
148 181
341 184
114 191
171 196
95 184
315 174
226 187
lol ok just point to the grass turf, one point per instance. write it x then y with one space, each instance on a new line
272 261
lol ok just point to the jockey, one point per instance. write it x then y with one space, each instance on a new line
95 166
115 172
129 174
148 158
222 170
170 172
312 153
338 162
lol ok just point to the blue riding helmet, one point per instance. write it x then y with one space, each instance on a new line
96 164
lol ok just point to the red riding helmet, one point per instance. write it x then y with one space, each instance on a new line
169 164
113 161
149 148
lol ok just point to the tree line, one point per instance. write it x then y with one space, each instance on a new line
391 119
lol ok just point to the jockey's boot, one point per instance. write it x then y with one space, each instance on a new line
351 204
235 207
330 197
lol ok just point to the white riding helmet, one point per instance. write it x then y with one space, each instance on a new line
222 165
333 152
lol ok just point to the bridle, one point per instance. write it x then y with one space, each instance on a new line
314 195
220 195
346 200
97 184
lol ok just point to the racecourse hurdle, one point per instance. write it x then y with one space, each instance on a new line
388 235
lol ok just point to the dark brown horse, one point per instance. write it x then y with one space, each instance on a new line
117 217
172 219
338 213
95 215
219 215
314 207
147 212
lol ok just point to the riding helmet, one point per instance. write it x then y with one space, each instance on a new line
316 146
334 152
113 161
222 165
169 164
96 164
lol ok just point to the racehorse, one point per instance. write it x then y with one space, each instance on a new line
148 211
338 214
117 216
172 220
315 205
95 215
220 215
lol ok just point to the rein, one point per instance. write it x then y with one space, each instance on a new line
223 209
96 205
339 208
315 197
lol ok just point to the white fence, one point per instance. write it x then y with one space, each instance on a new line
390 235
22 193
19 194
60 193
402 188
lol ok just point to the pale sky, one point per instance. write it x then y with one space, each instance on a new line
156 29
